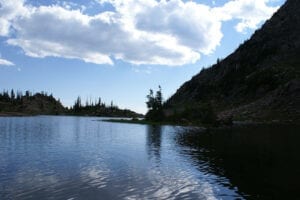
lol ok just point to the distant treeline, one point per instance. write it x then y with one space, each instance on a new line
99 108
29 103
12 96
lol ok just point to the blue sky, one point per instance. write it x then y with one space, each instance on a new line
119 49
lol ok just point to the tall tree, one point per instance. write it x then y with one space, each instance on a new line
159 98
77 104
12 95
151 100
154 104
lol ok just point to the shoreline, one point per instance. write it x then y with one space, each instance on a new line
234 124
20 114
129 120
15 114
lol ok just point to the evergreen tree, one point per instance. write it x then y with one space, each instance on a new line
151 100
27 93
99 101
6 96
154 104
77 105
158 98
12 95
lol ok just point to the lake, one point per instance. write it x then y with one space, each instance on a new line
57 157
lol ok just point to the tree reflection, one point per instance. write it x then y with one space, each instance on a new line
154 134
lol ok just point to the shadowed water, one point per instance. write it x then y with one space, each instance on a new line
48 157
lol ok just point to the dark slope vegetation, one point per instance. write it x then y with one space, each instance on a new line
259 81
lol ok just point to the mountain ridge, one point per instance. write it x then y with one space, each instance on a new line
258 81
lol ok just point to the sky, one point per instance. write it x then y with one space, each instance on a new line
119 49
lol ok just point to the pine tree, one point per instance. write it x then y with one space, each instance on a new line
158 98
155 104
12 95
151 100
77 105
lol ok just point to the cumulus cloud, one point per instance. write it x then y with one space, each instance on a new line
191 24
250 13
173 32
9 10
6 62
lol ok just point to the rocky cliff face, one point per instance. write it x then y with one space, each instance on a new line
260 80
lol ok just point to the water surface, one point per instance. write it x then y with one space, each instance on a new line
47 157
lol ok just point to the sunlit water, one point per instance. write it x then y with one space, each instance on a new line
48 157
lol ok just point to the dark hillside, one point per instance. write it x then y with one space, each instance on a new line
260 80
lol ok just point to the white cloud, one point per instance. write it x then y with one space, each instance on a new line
250 13
192 25
173 32
6 62
9 10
